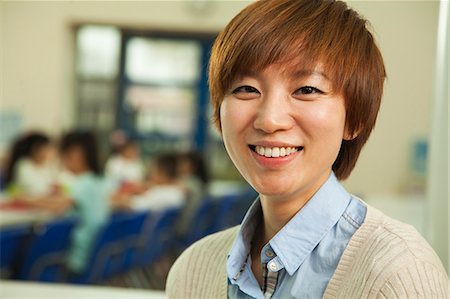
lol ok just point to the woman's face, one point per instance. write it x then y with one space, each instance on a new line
283 129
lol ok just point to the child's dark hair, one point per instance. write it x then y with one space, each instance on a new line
23 147
168 164
87 142
199 168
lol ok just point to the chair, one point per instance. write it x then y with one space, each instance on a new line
246 199
202 222
47 250
156 237
232 209
107 254
12 240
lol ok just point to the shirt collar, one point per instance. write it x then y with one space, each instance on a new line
237 257
297 239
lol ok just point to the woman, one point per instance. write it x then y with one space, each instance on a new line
296 87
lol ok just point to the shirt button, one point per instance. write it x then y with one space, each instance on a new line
272 266
269 253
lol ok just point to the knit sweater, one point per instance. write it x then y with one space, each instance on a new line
384 259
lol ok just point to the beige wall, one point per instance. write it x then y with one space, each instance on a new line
37 44
406 32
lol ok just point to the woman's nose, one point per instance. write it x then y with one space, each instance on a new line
273 115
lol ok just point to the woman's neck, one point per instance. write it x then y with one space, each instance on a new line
278 211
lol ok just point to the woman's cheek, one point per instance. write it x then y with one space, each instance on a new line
326 117
234 114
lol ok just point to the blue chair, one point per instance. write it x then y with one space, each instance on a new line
246 199
202 222
107 254
226 214
232 209
12 240
47 251
156 237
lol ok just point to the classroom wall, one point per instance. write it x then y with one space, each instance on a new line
37 54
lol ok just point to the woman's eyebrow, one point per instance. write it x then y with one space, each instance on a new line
249 74
308 73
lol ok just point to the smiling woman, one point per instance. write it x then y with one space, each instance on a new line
296 86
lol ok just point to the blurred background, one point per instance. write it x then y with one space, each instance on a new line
132 76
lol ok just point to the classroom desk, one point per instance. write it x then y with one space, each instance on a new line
11 216
22 290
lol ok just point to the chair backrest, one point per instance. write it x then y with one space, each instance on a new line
47 250
12 240
158 232
161 227
203 220
226 214
232 208
106 256
246 199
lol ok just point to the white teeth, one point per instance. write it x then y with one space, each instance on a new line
275 152
260 150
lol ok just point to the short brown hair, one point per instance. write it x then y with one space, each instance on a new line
306 32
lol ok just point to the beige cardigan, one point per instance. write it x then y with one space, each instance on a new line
384 259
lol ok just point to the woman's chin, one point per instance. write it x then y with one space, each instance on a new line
273 190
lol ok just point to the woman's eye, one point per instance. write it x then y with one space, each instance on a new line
245 89
305 90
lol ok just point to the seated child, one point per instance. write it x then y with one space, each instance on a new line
31 173
90 194
193 178
164 191
125 167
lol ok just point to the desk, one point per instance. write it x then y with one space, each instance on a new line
15 215
21 290
11 218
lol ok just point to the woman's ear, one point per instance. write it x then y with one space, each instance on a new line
350 135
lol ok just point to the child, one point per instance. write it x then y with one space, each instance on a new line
193 178
125 166
164 192
31 173
89 192
29 170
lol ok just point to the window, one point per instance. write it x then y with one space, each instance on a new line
152 85
161 79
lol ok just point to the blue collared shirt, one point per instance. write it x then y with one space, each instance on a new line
305 252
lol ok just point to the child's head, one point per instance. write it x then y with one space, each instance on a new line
192 164
164 169
305 35
79 152
129 150
35 146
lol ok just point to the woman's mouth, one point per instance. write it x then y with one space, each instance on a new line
274 152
